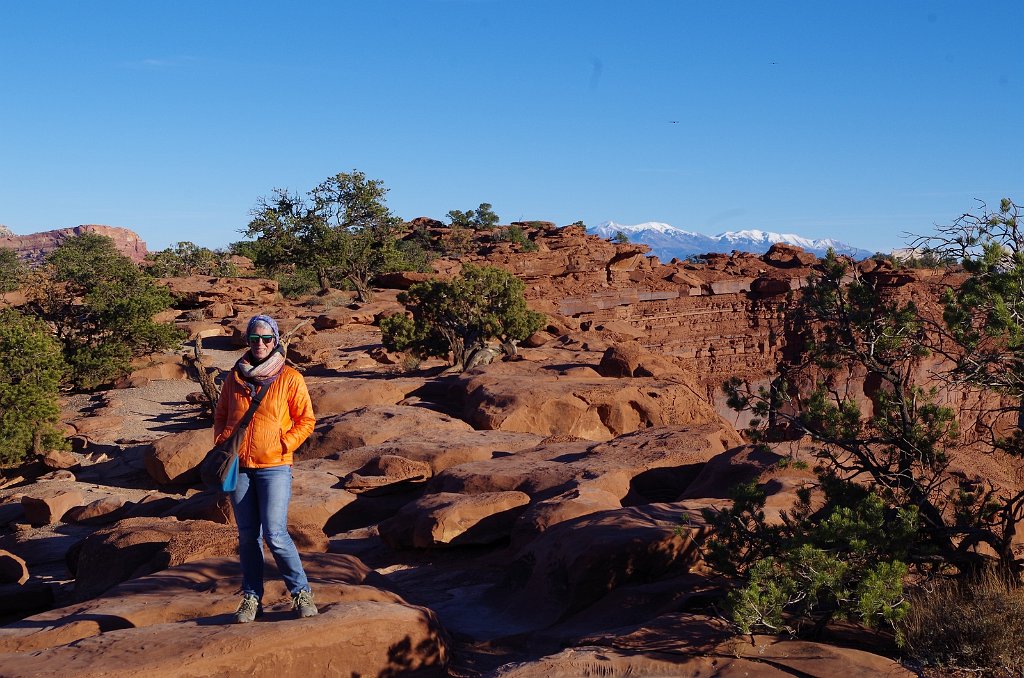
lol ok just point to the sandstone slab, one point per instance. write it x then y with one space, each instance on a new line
444 519
374 424
179 623
135 547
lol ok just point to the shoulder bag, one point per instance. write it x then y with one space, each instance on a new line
219 469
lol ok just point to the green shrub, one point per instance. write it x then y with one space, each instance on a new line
101 306
517 236
845 560
187 258
297 283
30 375
482 218
12 270
974 623
452 319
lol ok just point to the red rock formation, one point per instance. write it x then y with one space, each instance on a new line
34 248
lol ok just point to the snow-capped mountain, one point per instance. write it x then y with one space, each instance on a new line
667 241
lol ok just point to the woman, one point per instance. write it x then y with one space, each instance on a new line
283 420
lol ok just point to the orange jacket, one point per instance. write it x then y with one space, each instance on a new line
280 424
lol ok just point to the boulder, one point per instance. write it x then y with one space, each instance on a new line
59 459
343 394
454 519
198 291
617 466
387 470
13 569
315 499
96 511
575 563
44 506
630 359
783 255
589 408
175 459
90 426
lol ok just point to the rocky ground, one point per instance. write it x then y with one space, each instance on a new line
534 517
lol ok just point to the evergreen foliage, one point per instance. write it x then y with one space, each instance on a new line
482 218
101 307
846 559
341 230
453 319
891 505
187 258
12 270
30 376
517 236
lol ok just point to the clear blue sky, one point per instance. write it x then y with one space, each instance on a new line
854 120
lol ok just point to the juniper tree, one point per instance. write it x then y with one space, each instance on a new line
100 305
341 229
455 318
30 376
898 450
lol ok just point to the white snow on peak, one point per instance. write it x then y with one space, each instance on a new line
667 240
769 236
656 226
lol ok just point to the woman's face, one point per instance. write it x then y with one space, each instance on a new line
261 342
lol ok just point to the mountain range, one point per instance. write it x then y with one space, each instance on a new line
667 241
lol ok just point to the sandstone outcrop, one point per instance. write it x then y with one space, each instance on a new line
34 248
135 547
374 424
176 623
443 519
501 515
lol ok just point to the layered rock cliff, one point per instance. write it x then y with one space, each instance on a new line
33 248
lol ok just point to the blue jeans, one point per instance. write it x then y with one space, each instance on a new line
260 502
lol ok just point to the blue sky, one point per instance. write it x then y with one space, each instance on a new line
854 120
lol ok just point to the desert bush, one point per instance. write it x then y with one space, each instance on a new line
975 623
101 307
844 560
482 218
453 319
297 282
187 258
517 236
457 241
12 270
30 376
411 362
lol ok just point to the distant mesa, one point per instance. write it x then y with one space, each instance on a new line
667 241
34 248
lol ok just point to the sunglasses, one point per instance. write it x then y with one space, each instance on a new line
267 338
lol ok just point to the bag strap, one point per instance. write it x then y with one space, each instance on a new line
256 400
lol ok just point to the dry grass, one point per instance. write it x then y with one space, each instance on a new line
972 624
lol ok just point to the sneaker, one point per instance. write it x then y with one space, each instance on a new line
302 603
248 609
